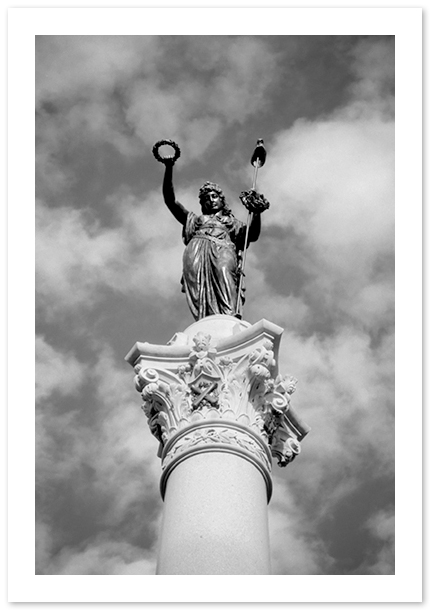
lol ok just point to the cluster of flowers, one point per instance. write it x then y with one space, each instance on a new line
253 201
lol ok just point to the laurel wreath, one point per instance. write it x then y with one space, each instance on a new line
171 143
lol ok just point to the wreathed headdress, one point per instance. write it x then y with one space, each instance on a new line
207 187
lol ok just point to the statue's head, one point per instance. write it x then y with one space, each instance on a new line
212 199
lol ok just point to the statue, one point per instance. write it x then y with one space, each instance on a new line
215 241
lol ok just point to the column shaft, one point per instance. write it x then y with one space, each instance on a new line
215 518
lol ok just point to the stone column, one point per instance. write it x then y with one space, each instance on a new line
220 410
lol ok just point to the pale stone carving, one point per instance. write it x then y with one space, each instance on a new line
204 393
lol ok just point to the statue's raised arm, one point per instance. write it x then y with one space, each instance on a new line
177 209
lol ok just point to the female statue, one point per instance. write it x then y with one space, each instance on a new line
214 240
215 243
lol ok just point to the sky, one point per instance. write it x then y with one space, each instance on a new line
108 268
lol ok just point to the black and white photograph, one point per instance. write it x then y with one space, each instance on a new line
215 304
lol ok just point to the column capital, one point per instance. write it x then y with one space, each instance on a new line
216 387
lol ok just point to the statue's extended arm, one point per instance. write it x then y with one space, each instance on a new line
177 209
254 228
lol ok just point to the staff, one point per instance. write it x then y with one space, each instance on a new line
254 203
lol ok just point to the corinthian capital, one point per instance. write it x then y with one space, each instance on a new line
217 387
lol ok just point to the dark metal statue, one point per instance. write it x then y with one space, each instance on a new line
215 241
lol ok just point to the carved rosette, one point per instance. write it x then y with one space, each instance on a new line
220 399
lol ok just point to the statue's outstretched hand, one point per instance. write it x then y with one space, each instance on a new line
254 202
168 161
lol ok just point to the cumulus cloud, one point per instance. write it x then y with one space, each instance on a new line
346 396
99 557
56 371
339 175
91 63
373 89
109 453
381 527
76 257
194 110
126 445
331 183
115 91
294 544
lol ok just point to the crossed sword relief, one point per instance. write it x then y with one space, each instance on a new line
204 391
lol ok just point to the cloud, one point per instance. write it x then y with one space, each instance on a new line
59 448
345 392
373 90
101 456
115 91
331 186
194 109
100 556
247 71
70 253
76 258
294 546
56 371
333 182
126 459
91 64
80 81
381 527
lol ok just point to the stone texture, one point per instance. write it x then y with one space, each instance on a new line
215 518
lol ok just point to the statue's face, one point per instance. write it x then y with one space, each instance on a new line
211 202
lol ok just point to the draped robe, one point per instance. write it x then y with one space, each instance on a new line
210 263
